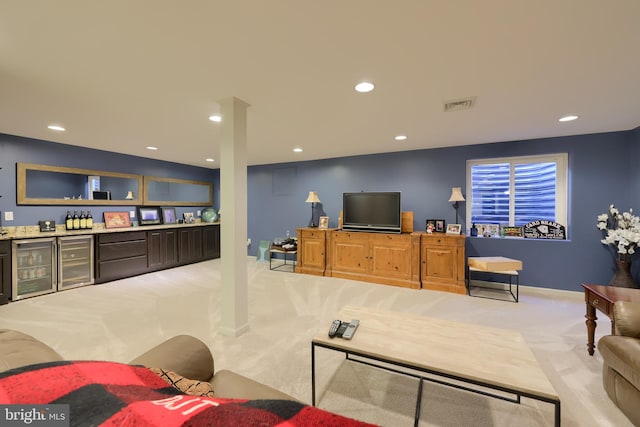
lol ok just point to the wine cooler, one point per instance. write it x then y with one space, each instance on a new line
34 267
75 258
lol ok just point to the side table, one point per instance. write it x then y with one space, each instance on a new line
603 298
287 254
495 265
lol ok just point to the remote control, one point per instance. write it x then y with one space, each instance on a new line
351 329
341 329
333 329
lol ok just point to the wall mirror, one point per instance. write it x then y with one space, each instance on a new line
177 192
56 185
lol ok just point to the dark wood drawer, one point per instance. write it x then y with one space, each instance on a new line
599 303
119 250
110 270
122 237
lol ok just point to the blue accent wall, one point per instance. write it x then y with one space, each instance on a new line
14 149
601 172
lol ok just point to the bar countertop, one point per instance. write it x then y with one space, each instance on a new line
33 231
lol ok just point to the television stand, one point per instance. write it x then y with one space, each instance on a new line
384 258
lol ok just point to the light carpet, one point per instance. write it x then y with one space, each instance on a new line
119 320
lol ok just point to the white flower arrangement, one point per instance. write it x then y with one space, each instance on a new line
622 231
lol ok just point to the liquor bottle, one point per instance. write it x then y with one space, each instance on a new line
83 221
76 221
68 221
89 220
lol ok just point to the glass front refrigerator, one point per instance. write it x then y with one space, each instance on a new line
75 257
34 267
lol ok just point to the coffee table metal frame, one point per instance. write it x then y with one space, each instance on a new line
422 378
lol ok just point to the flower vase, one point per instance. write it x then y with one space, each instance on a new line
623 277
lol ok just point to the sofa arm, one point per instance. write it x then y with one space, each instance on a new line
182 354
18 349
626 315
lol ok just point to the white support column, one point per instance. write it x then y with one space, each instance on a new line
233 204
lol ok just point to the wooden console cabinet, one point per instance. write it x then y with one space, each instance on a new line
385 258
312 249
414 260
443 262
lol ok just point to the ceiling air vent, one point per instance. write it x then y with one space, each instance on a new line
459 104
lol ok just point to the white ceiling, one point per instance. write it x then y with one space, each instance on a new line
123 74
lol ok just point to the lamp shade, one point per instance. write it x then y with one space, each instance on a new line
456 195
313 197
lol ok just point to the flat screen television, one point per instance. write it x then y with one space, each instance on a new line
371 211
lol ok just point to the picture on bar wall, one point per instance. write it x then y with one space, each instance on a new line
169 215
117 219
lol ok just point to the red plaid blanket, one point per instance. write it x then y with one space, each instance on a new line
114 394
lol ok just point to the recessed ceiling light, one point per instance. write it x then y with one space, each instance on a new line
297 150
401 137
152 148
215 118
567 118
56 127
208 160
364 87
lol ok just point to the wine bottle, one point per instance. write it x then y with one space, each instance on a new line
83 221
76 221
68 221
89 220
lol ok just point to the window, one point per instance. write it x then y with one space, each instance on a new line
517 190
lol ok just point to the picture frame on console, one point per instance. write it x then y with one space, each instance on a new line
454 228
430 226
323 222
440 226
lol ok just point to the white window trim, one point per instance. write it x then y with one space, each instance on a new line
562 178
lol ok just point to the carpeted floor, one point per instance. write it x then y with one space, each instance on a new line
119 320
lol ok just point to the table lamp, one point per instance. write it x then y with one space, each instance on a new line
313 199
456 196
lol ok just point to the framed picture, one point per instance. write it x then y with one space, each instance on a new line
168 215
117 219
430 226
324 222
149 215
453 228
439 226
188 217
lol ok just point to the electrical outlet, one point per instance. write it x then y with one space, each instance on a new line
8 216
132 214
248 241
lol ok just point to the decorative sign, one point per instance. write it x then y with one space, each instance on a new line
543 229
511 231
